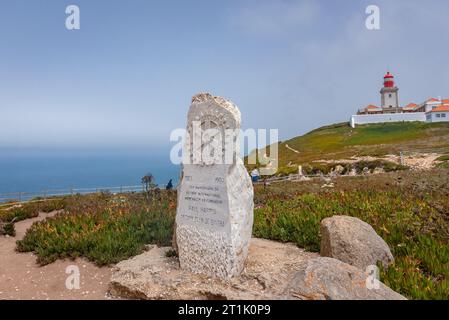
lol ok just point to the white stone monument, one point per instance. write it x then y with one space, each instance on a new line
215 196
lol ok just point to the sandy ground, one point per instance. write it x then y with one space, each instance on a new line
21 278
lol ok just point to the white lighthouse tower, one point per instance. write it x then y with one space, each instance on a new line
389 94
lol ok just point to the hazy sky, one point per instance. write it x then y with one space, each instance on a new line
127 77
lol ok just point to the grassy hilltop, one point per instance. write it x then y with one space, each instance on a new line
340 141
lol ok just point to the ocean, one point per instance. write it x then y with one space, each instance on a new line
36 171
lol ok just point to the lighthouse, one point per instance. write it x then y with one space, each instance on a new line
389 95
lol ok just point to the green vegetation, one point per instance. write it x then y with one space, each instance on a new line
443 165
31 209
443 158
444 162
8 229
326 168
103 228
407 209
409 213
421 268
340 141
10 214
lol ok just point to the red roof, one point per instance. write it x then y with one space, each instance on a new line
371 106
388 75
410 106
445 101
433 100
441 109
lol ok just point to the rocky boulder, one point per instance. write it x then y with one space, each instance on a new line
353 241
337 171
331 279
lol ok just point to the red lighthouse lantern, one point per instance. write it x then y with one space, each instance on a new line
389 80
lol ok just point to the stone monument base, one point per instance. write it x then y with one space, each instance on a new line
155 276
272 271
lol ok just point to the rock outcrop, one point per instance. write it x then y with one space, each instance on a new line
353 241
337 171
272 271
154 276
331 279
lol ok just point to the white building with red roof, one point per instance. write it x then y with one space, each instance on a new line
411 107
438 114
431 110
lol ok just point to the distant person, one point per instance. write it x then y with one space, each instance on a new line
255 175
169 185
265 183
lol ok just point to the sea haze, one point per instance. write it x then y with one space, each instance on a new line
28 170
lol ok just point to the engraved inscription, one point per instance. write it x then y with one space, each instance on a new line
204 204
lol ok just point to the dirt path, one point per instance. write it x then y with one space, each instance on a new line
291 149
22 278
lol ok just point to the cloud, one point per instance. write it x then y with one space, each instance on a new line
275 17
